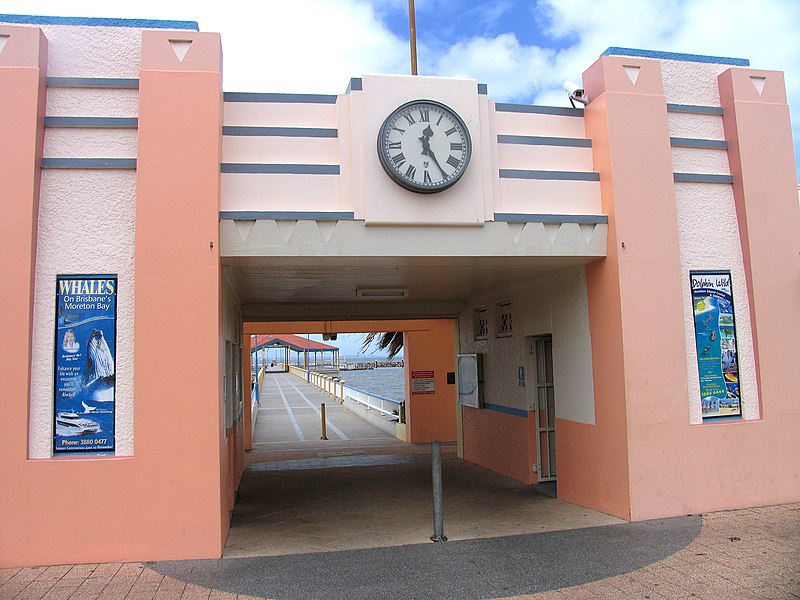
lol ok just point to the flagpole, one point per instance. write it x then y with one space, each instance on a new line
412 26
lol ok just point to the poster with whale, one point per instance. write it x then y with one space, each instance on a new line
85 353
715 338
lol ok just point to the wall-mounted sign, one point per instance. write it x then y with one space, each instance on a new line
715 337
422 382
85 354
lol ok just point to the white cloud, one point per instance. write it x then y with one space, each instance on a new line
512 69
308 46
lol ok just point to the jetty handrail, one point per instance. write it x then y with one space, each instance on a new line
368 399
338 389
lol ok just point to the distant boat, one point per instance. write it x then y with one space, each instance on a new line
77 423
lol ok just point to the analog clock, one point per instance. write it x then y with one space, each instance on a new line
424 146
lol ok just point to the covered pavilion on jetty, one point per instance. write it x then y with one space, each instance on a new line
293 343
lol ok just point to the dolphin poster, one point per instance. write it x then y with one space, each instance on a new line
715 337
85 353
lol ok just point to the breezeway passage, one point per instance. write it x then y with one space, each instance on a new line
290 413
363 488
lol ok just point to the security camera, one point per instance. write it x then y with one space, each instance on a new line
575 93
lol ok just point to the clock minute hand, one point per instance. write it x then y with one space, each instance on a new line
426 148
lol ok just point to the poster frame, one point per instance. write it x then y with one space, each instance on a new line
710 273
109 448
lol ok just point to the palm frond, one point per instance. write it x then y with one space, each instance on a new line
391 341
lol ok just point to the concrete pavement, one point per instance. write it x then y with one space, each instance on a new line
741 554
350 518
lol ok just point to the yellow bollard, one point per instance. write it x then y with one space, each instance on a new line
324 426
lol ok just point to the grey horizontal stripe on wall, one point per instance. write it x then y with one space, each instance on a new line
702 178
695 109
279 98
312 132
112 122
279 169
698 143
547 218
89 163
517 412
93 82
535 140
540 110
285 215
551 175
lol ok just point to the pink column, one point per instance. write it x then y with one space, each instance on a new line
23 69
178 425
761 157
635 299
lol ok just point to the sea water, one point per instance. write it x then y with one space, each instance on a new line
383 381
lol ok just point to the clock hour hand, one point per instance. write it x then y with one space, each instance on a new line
426 148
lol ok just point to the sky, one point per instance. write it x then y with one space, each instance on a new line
523 50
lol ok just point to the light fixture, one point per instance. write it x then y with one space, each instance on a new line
381 293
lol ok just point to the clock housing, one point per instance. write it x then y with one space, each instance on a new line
424 146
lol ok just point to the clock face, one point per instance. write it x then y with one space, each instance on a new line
424 146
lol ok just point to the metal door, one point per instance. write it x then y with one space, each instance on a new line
545 408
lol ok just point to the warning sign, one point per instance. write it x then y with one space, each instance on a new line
422 382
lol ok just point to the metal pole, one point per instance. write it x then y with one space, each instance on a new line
412 29
324 426
438 517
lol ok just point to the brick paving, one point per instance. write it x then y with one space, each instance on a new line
742 554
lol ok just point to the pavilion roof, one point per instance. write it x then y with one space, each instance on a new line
295 342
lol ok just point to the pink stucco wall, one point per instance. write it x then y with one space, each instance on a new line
664 465
170 499
500 442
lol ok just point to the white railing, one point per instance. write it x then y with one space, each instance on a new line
388 407
333 386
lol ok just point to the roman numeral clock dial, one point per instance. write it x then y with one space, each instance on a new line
424 146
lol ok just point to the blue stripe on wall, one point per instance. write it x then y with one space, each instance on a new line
537 140
104 122
517 412
279 98
549 175
93 82
702 178
698 58
89 163
312 132
695 109
285 215
279 169
549 218
540 110
99 22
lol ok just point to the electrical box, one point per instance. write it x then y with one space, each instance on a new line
470 380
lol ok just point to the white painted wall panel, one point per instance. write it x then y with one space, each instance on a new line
93 51
249 191
709 240
86 226
556 304
689 125
539 124
74 142
549 197
547 158
700 160
280 150
92 102
278 114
